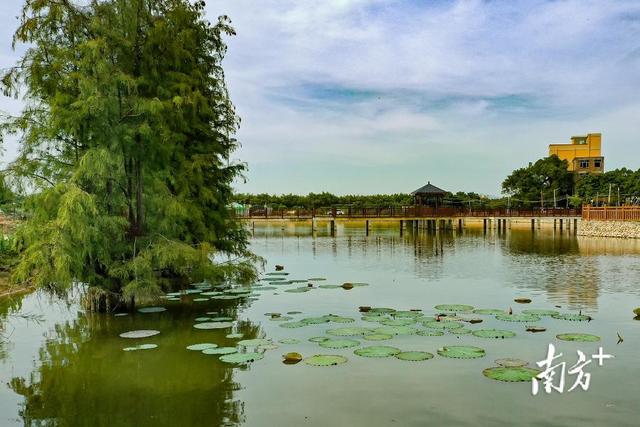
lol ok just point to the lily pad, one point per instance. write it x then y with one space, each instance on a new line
294 312
493 333
202 319
455 308
377 337
141 347
397 322
414 356
202 346
269 346
461 352
433 324
377 351
239 358
572 317
203 299
316 279
314 320
291 325
339 319
407 314
253 342
325 360
329 286
490 311
396 330
522 300
374 318
510 374
349 331
151 309
143 333
220 350
534 328
636 311
298 290
235 336
430 333
289 341
213 325
339 343
291 358
318 339
120 314
382 310
281 319
578 337
522 317
460 331
510 362
540 312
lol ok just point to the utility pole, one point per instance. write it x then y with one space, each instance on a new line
541 200
554 197
609 196
618 195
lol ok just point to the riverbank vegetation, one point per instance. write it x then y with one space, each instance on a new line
125 145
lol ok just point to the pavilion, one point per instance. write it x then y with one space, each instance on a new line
428 195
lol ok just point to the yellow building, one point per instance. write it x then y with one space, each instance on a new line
583 154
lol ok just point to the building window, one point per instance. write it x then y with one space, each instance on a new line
597 163
584 164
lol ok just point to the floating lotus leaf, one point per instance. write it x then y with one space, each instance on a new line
397 322
473 321
292 358
490 311
536 329
223 297
434 324
339 343
151 309
374 318
578 337
414 356
347 286
213 325
377 337
297 290
407 314
381 310
636 311
315 320
237 291
276 273
220 350
120 314
253 342
350 331
455 308
192 291
294 312
493 333
329 286
377 351
461 352
143 333
281 319
173 294
540 312
141 347
239 358
316 279
318 339
460 331
273 314
202 319
325 360
522 317
364 308
263 347
289 341
298 281
511 362
339 319
290 325
572 317
510 374
235 336
211 294
523 300
173 299
359 284
200 347
396 330
430 333
203 299
265 288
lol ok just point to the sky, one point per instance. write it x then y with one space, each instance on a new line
381 96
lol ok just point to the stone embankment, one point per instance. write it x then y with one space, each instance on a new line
621 229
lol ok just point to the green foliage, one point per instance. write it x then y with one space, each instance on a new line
534 185
126 138
595 188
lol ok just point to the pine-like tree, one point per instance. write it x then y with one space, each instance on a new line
126 140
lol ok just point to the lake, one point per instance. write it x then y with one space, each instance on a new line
60 366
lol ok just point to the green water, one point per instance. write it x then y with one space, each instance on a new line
59 366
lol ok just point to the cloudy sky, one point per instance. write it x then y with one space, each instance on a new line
356 96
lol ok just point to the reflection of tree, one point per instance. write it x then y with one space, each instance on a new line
7 307
84 378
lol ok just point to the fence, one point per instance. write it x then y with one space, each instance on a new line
611 213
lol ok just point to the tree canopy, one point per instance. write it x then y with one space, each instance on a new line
536 183
125 139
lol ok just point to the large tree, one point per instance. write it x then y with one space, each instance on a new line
125 139
535 184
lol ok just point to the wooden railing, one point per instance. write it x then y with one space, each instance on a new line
611 213
403 212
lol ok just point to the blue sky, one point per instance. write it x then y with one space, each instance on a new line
355 96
